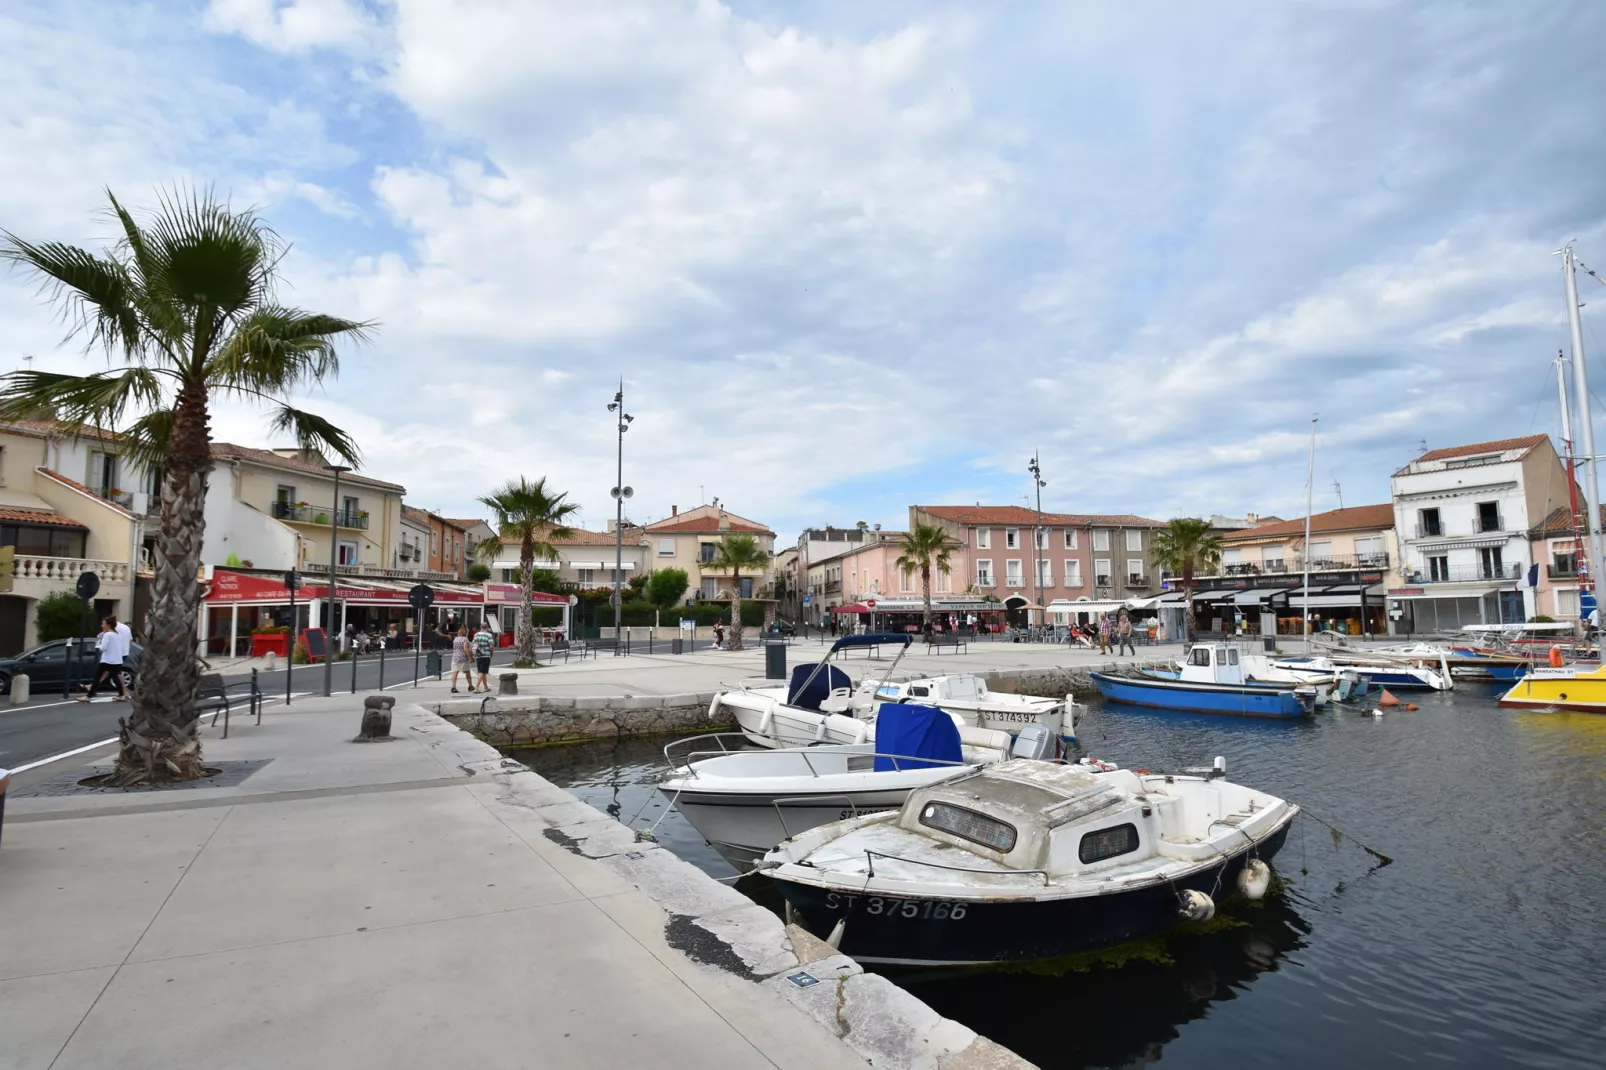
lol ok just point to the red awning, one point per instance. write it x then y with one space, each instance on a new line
855 608
228 587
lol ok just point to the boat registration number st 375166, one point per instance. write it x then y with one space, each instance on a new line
888 907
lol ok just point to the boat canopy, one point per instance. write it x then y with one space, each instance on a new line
908 732
872 639
812 684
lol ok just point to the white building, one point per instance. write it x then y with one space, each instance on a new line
1463 515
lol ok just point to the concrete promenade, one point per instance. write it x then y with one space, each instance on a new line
413 903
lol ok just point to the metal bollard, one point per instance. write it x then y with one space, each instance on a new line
354 670
381 668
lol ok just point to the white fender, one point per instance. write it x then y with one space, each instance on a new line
819 731
1254 879
767 722
713 707
861 731
1195 905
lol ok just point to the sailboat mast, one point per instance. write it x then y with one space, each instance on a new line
1581 383
1579 526
1310 490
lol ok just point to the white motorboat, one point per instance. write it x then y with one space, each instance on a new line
744 802
1027 860
1401 675
821 705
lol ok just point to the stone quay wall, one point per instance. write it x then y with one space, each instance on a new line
533 721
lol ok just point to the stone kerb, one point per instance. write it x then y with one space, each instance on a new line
534 721
718 927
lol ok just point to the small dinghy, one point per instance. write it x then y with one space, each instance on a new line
745 802
1026 860
821 705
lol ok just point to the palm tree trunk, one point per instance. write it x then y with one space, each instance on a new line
925 590
1187 594
736 611
525 638
157 741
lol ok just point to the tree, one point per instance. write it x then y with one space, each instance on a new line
666 587
925 547
736 553
1185 546
530 515
479 572
60 616
184 305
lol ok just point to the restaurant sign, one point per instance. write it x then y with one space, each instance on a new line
238 587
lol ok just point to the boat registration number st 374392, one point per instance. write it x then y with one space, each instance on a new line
888 907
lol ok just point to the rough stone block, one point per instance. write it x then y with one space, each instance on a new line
755 936
640 702
594 702
507 683
572 812
806 946
599 839
677 886
983 1054
890 1027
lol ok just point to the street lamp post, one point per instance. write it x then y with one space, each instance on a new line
329 604
1036 470
620 492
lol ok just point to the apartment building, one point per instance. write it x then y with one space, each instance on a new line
689 541
1463 515
61 527
584 558
1554 543
1003 551
820 552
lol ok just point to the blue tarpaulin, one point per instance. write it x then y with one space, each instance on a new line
810 698
912 732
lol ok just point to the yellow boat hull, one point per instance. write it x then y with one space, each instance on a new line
1561 689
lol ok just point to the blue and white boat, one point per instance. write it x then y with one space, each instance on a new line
1211 681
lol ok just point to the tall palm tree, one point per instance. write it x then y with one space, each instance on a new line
183 303
926 546
530 515
736 553
1185 546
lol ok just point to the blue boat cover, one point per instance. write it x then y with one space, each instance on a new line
830 678
911 732
873 639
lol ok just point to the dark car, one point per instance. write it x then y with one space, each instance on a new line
48 665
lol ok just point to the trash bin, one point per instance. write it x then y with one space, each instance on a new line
774 661
432 663
1271 643
677 645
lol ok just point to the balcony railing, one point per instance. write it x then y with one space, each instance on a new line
1328 563
378 572
124 498
66 570
1562 572
1430 531
312 514
1103 581
1137 579
1463 574
1485 524
985 580
1014 581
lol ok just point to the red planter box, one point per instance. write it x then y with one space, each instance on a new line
505 639
275 642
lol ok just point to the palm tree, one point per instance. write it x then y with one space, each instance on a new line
530 515
184 306
1184 546
926 547
736 553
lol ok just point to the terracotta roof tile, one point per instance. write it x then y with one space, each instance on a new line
582 537
1021 516
39 516
1559 522
1499 445
228 451
56 427
1354 518
80 488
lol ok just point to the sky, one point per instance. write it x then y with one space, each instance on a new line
847 257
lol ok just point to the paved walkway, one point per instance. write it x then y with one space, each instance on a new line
354 905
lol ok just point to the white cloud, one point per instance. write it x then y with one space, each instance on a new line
290 25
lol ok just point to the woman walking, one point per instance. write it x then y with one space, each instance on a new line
110 669
461 660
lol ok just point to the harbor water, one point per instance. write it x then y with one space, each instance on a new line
1481 944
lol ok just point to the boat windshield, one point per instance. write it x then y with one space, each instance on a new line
969 825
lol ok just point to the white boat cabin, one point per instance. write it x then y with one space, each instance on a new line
935 690
1213 663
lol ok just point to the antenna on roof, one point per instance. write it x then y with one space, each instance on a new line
1338 490
1422 446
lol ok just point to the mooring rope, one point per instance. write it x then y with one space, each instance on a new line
1339 836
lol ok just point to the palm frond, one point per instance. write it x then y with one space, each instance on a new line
739 552
275 350
79 402
145 440
526 510
210 257
313 432
98 299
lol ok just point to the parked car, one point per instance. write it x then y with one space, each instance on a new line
47 666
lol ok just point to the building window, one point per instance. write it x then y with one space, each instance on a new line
1073 572
588 577
984 572
1070 538
1273 558
1369 551
710 588
1488 516
1045 572
1101 540
984 539
348 553
285 495
432 544
1427 523
1489 563
944 581
1320 554
1107 843
906 580
1567 603
705 553
1134 542
1042 538
1101 573
1134 572
1013 576
747 586
43 541
666 547
1012 538
1564 564
1439 568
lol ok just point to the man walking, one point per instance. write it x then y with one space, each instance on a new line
484 643
1104 634
1123 632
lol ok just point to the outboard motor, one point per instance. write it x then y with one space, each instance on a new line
1034 741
